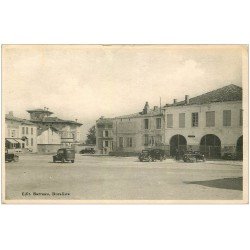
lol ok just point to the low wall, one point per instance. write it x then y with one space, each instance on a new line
47 148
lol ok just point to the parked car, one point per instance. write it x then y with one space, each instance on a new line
87 151
229 156
9 157
191 156
152 155
64 155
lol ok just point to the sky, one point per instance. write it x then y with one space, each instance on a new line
86 82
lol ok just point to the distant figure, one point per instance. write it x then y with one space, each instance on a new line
105 150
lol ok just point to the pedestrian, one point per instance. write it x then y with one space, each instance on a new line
177 154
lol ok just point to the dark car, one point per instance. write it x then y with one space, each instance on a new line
191 156
87 151
152 155
64 155
9 157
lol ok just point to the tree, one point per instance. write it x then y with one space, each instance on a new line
91 136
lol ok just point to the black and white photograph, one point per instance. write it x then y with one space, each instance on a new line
125 123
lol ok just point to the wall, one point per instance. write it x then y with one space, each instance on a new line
228 135
49 137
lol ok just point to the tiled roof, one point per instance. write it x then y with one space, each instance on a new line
225 94
140 114
22 121
57 120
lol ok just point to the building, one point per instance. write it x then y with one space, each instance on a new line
130 134
20 134
68 130
211 123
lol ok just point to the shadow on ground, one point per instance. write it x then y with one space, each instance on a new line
226 183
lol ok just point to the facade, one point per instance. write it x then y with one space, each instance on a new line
20 134
131 133
68 130
48 140
210 123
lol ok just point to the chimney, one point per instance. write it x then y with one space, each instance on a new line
11 113
174 101
186 99
146 108
76 120
44 108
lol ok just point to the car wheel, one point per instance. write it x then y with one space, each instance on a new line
72 161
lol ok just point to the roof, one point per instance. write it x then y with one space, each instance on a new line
150 113
225 94
39 110
56 120
22 121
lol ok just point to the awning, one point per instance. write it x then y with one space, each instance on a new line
12 141
19 141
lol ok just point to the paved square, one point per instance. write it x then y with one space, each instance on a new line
122 178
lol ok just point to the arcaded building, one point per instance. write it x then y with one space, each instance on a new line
211 123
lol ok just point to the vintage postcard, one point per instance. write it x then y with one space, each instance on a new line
125 124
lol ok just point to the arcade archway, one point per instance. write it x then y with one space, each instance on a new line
210 146
178 142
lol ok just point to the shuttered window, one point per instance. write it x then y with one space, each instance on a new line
158 123
145 123
210 118
121 142
226 117
182 120
169 120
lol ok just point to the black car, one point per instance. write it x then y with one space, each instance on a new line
9 157
152 155
87 151
191 156
64 155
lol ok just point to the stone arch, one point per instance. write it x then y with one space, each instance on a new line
177 142
210 146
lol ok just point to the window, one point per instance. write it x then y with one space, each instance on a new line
210 118
145 123
169 120
129 142
182 120
31 142
121 142
226 117
146 140
106 133
195 119
158 123
31 131
27 142
241 117
27 130
158 139
23 130
106 143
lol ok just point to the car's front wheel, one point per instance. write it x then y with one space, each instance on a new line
72 161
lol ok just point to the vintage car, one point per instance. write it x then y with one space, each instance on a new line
191 156
152 155
9 157
87 151
64 155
